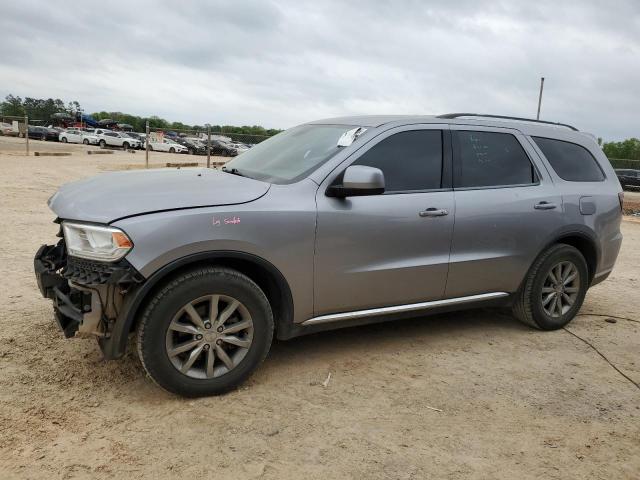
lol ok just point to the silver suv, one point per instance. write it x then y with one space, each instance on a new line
330 224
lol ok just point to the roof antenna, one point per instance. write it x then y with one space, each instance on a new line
540 97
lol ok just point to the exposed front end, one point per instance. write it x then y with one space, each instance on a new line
87 293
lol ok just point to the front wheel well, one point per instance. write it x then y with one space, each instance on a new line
265 275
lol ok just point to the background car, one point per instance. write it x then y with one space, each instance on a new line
220 147
117 139
628 177
166 145
75 135
194 147
53 133
136 136
37 133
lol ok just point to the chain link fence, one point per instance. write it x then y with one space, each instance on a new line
217 145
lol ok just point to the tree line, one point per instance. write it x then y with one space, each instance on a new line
41 110
627 149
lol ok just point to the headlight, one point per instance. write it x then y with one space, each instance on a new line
96 242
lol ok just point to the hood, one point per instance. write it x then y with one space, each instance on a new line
111 196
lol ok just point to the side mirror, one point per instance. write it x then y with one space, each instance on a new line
359 180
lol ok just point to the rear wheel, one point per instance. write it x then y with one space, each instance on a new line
205 332
554 289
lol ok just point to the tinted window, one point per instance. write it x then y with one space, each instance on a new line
409 160
570 161
487 159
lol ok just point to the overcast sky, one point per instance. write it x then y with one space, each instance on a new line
281 63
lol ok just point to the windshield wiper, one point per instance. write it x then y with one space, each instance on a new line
233 171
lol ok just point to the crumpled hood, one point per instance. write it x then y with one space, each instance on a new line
111 196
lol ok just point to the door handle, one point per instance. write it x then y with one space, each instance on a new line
544 206
434 212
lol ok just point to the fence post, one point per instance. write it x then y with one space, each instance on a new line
208 146
146 153
26 133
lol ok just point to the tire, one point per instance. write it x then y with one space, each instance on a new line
85 141
191 151
102 144
64 140
125 145
155 338
532 305
172 150
43 138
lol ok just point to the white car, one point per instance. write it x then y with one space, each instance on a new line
75 135
166 145
116 139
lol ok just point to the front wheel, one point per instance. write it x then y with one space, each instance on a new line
64 140
125 145
103 144
85 141
172 150
205 332
554 289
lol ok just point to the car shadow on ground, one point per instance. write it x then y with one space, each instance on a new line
429 330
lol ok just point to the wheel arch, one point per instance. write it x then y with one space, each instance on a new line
581 239
264 273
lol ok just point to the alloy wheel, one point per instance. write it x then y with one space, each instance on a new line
209 336
560 289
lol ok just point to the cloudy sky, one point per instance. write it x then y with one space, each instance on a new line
285 62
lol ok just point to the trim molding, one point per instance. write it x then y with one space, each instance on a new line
372 312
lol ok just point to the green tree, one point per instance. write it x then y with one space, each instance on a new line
12 106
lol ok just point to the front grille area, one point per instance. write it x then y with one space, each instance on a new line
89 272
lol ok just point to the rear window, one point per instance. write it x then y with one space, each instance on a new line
570 161
490 159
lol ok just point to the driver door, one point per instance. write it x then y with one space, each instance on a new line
388 249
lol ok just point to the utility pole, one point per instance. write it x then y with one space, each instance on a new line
146 153
26 133
208 146
540 97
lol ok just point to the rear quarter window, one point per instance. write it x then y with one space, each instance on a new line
572 162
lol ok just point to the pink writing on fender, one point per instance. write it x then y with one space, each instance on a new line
227 221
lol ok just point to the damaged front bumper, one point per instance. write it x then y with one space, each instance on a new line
87 295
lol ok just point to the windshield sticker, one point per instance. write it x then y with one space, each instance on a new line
226 221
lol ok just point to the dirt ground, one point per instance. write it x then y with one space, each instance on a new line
464 395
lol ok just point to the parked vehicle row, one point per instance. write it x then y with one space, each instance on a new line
170 142
628 177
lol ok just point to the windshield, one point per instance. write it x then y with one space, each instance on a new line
288 156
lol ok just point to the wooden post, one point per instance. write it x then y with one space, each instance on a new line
208 146
146 153
26 133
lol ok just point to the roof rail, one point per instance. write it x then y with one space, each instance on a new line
503 117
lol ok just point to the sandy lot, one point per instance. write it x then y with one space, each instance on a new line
466 395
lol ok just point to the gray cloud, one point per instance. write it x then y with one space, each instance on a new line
284 62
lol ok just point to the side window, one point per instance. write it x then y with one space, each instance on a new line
490 159
410 160
570 161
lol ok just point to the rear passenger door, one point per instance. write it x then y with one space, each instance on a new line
506 209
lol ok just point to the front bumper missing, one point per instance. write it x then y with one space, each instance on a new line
85 294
